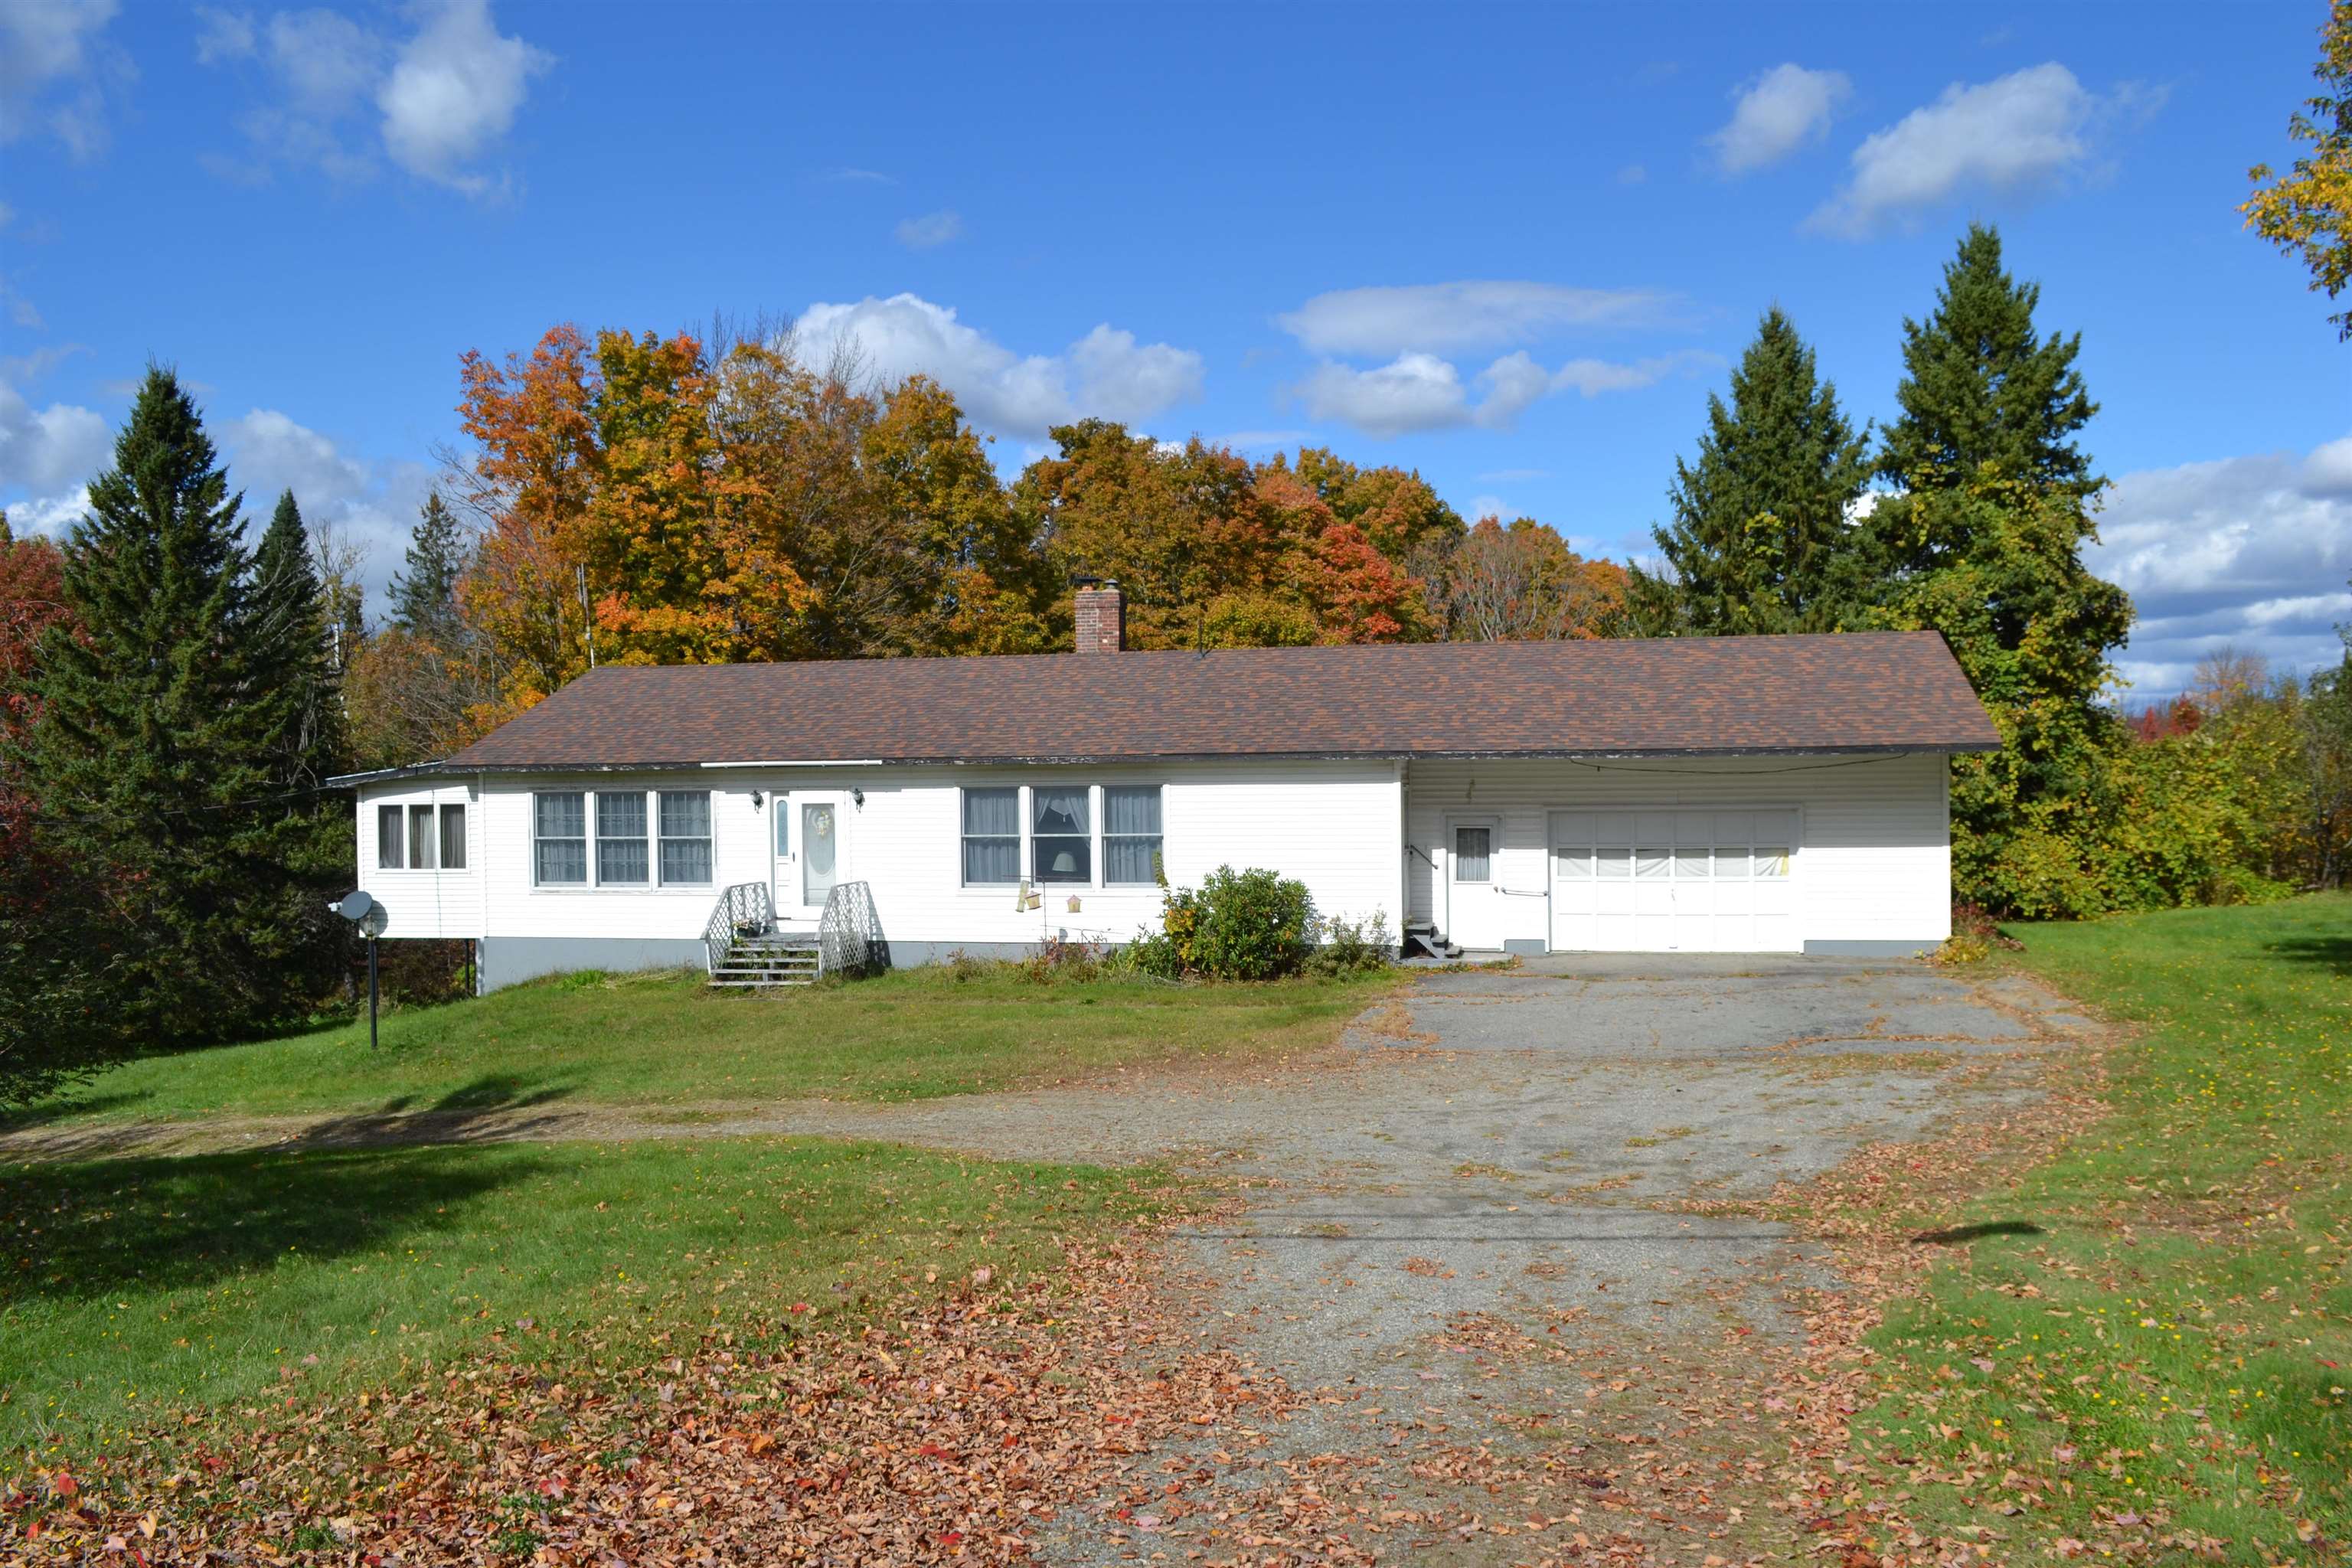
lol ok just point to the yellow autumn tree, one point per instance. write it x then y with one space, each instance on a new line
2308 209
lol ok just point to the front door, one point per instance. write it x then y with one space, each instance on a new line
810 859
1474 888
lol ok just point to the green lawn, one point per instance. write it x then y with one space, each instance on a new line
2170 1357
666 1039
137 1293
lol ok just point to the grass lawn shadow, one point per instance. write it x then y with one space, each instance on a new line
2330 952
494 1105
1956 1234
91 1230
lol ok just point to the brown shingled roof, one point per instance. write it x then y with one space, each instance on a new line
1679 696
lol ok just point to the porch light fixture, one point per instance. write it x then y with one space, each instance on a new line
758 800
859 797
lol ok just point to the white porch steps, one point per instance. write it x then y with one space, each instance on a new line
773 958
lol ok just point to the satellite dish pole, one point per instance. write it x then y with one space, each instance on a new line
371 918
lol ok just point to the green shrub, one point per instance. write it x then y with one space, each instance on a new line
1353 947
1237 925
1251 925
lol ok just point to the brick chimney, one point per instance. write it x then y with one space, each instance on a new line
1102 619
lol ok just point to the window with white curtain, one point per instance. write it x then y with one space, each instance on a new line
991 836
453 837
559 838
620 860
1061 834
388 856
1473 850
1131 838
685 837
420 838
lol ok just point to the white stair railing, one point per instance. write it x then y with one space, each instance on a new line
744 910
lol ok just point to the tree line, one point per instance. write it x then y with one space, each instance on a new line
171 701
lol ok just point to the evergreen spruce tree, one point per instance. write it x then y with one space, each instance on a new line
1984 543
293 642
1761 517
166 752
424 591
1980 387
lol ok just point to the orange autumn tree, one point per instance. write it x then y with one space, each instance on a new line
1214 551
1523 584
616 530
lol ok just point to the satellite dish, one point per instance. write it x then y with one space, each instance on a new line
355 907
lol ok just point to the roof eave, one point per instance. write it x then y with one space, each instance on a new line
1039 759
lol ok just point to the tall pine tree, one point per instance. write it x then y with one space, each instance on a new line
293 643
1984 543
1981 387
1761 517
424 591
171 754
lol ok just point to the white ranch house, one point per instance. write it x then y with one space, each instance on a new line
1772 794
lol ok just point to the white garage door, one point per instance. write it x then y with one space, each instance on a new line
1674 881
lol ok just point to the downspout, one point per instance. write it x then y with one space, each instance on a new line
1404 852
476 818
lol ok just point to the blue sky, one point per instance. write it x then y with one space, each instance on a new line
1513 248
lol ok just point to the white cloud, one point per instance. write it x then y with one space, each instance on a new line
1261 440
2025 130
223 36
50 451
1433 317
437 103
2250 553
1478 509
453 92
1777 113
47 44
329 63
1106 374
369 505
929 231
1417 392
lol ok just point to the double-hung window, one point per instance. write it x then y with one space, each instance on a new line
559 838
685 837
641 837
420 838
1132 839
453 837
1061 834
620 860
388 855
1061 845
991 836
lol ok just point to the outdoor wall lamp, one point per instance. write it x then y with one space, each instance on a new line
757 800
858 795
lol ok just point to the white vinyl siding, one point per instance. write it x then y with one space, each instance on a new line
443 898
1872 863
1331 824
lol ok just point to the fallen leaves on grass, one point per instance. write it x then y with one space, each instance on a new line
948 1436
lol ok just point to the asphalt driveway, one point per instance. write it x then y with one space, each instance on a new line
1517 1162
